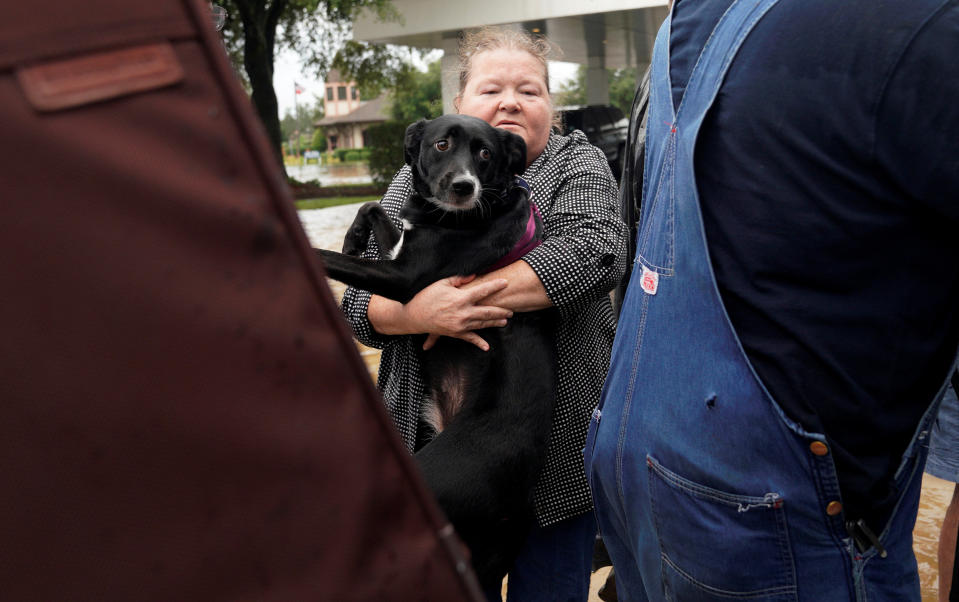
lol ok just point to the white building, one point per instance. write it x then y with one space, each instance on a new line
601 34
346 115
341 97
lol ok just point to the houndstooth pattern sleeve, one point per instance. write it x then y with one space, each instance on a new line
584 253
399 378
355 301
582 257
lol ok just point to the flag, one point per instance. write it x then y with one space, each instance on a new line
298 88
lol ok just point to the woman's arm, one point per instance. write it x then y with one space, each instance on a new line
445 308
582 258
583 255
524 290
518 288
442 308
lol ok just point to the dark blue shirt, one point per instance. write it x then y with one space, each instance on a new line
828 174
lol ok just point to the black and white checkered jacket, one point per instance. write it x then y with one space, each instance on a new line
582 257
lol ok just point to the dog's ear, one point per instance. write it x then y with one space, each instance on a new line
412 142
411 153
515 148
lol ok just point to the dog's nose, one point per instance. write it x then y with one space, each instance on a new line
463 187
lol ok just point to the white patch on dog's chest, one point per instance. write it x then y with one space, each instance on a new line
399 244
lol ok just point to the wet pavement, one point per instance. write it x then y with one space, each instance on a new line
325 229
936 494
331 175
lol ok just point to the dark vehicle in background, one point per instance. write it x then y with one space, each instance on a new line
605 126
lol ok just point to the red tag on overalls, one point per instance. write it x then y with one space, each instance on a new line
649 280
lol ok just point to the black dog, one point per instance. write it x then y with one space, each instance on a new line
467 214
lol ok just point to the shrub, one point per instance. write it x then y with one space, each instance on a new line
340 153
319 140
386 150
353 155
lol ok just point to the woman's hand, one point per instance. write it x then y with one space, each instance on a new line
442 309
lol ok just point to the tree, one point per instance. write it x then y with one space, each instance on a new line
298 123
622 88
303 118
572 92
319 140
315 29
415 95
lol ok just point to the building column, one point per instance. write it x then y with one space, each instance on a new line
645 25
597 80
448 73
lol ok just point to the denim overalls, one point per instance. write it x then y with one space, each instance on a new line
704 489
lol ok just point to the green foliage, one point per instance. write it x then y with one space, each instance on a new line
316 30
386 150
622 88
257 30
319 140
374 67
302 118
572 92
295 145
417 94
323 203
352 154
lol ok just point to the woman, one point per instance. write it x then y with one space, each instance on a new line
504 81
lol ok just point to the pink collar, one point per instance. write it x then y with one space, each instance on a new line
524 245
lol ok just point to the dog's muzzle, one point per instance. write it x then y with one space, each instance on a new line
463 187
462 192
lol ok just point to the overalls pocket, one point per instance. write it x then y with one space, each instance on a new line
719 546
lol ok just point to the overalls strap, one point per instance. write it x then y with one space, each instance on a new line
704 488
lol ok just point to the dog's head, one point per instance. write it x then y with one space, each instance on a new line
456 158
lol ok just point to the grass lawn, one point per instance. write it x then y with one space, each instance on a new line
333 201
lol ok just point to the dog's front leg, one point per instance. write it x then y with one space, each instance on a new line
384 277
370 218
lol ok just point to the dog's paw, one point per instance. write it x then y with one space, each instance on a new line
358 234
354 243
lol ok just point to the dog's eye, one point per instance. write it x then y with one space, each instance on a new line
442 145
485 154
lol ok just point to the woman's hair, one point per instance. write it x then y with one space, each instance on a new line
496 38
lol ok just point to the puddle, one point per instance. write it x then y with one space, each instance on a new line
330 175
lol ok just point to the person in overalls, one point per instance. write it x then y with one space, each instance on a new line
790 323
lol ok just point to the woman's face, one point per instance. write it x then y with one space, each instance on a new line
507 89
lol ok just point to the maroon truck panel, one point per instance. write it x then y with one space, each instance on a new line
183 413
